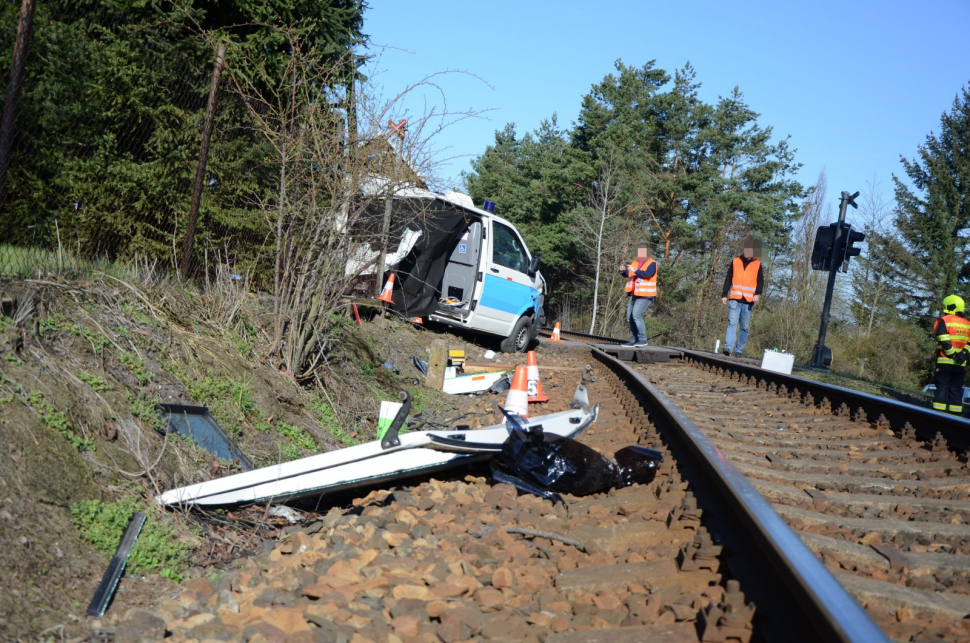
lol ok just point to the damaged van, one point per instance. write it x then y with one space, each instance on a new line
460 265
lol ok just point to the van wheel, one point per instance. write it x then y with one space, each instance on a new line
518 340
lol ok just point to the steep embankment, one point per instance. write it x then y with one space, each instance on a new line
82 367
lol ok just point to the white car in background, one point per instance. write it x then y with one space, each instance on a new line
930 389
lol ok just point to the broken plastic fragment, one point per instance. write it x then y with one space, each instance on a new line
501 385
385 418
292 516
421 365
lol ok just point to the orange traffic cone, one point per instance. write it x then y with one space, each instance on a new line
535 385
417 320
555 334
517 399
388 288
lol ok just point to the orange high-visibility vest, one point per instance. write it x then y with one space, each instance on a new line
957 333
642 287
744 281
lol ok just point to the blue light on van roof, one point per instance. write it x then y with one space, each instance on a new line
489 206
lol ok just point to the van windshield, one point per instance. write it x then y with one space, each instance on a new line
507 250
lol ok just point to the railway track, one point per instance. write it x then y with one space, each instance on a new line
462 558
879 491
845 525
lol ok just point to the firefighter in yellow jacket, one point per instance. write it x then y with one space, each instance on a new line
952 332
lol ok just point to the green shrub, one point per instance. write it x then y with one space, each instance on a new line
94 381
145 408
297 436
137 366
53 322
159 547
287 451
328 421
230 401
58 421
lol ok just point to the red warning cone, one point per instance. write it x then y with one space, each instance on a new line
535 385
555 334
388 288
517 399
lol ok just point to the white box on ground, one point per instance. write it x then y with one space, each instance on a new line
778 362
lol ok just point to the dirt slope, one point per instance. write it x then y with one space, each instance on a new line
83 365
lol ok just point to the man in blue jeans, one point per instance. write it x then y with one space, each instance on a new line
742 287
641 288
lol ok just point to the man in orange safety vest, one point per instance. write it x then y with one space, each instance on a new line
742 287
641 290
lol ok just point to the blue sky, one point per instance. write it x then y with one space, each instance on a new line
855 84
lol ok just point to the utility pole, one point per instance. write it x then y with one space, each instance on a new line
352 103
210 114
841 233
397 129
14 87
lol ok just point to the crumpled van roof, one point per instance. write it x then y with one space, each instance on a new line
374 185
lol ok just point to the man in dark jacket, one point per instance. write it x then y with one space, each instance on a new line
743 285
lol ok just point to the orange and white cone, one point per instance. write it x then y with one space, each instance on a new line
517 399
535 385
388 289
417 320
555 334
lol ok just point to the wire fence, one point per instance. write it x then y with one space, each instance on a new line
104 147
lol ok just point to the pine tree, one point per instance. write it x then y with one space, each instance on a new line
934 215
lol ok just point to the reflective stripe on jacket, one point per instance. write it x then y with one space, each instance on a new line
642 287
952 337
744 281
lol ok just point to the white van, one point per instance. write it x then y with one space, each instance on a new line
462 266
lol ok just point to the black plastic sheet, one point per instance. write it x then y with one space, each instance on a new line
546 464
637 465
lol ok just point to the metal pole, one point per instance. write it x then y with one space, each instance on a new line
14 87
386 225
352 103
818 354
210 113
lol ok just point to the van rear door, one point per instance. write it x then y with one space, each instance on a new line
508 291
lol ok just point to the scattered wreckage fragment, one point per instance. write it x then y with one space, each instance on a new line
394 457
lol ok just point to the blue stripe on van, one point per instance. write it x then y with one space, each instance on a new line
507 296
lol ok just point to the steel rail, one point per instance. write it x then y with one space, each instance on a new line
604 340
926 422
797 598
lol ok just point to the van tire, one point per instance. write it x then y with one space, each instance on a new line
519 339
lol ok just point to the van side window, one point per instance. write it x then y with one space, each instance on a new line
507 250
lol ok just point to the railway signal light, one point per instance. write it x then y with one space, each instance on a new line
825 242
849 237
832 251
